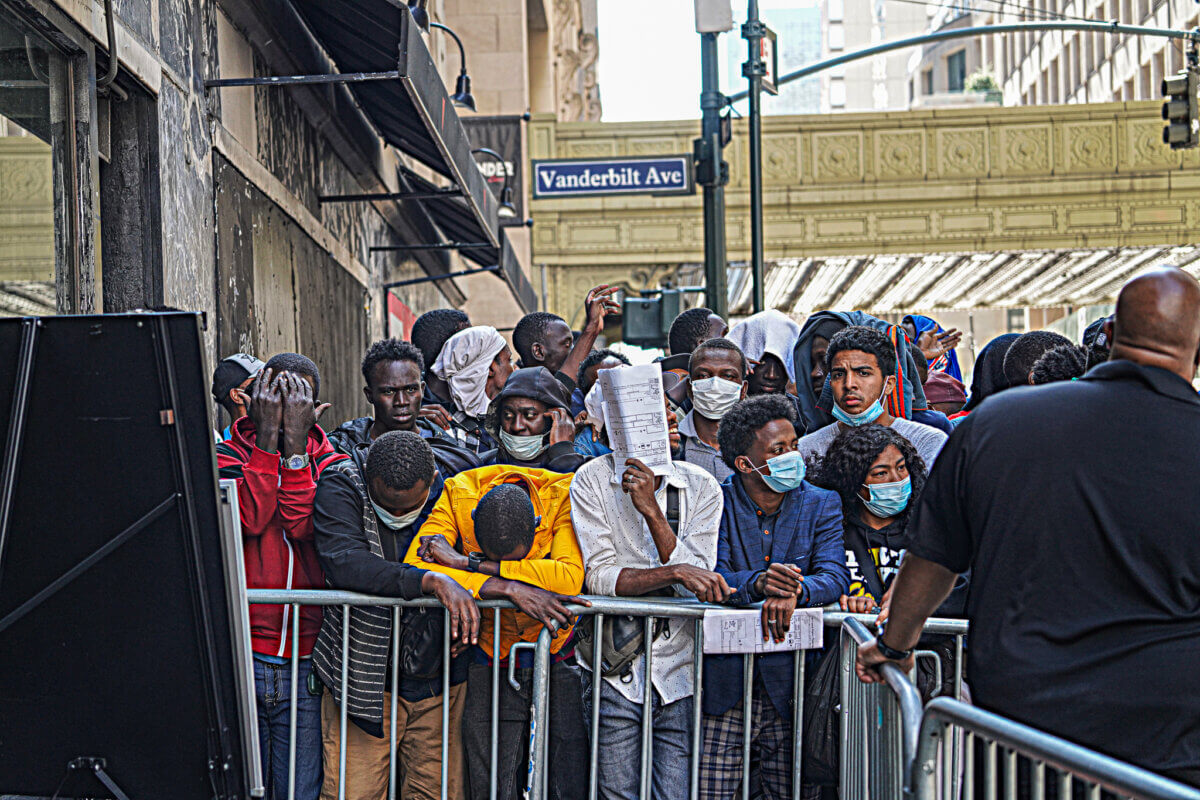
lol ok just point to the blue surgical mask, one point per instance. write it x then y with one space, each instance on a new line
523 448
888 499
398 523
866 417
787 471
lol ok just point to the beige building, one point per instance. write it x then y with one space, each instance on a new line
879 83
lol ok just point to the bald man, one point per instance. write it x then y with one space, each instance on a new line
1076 506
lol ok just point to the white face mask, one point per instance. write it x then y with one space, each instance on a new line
713 397
398 523
523 448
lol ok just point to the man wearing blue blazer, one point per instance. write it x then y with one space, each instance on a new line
780 542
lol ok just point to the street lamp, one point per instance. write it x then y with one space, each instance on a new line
462 96
420 15
507 210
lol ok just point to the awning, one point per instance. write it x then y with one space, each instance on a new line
413 112
924 282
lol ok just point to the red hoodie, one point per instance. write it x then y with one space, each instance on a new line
276 506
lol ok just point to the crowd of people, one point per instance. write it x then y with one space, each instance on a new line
802 475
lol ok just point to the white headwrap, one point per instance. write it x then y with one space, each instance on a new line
594 403
768 331
464 362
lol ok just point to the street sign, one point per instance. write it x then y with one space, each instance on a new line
589 177
769 53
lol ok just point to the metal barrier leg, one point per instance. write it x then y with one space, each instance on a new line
797 724
295 699
446 704
395 703
342 715
697 708
647 712
539 715
747 707
495 718
597 677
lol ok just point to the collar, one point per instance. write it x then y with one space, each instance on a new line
687 425
1160 380
675 477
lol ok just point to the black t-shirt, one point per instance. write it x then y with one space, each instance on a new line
1077 506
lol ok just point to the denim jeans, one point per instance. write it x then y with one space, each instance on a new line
621 746
273 696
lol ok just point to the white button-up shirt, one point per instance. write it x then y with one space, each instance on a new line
613 535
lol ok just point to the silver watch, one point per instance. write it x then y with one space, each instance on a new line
296 462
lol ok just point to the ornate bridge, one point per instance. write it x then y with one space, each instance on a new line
959 208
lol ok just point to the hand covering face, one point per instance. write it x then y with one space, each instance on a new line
464 363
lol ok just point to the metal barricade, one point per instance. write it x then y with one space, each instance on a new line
1014 754
880 723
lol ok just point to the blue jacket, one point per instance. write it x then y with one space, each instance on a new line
808 533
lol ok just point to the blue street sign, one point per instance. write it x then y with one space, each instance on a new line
587 177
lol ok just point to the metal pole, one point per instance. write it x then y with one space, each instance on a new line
715 175
754 68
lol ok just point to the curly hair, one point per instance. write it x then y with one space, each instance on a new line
743 422
401 458
532 328
688 330
866 340
1063 363
720 344
1026 350
845 465
391 350
297 365
504 520
433 328
592 359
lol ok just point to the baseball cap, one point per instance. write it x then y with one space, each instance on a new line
232 371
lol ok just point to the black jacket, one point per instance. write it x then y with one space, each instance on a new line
449 457
536 383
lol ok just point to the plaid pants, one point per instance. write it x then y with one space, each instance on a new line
770 751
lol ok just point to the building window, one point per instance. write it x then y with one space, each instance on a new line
956 71
927 82
837 36
837 93
835 10
42 264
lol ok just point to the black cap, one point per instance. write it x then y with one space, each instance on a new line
232 371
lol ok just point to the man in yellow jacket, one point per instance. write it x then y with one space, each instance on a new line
504 532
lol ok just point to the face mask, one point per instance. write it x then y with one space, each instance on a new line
398 523
865 417
523 448
713 397
787 471
888 499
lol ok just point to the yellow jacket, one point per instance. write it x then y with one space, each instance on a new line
554 563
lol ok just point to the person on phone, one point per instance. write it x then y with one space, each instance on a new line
531 420
780 544
504 533
643 534
276 454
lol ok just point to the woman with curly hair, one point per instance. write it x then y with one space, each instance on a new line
878 474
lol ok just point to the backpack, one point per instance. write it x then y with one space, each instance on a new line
624 636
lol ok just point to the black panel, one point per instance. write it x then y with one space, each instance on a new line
132 660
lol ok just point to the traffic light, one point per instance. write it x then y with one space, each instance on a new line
1181 111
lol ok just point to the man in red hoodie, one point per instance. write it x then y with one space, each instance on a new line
276 454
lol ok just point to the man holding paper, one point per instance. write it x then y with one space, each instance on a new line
780 542
646 526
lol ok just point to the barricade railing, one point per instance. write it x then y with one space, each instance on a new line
880 723
687 611
1020 761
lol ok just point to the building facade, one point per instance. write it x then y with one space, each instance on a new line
879 83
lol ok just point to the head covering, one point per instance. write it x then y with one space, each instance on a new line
768 331
464 362
906 396
941 387
536 383
594 404
947 362
988 377
232 371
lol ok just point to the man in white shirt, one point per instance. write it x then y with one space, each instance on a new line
630 549
861 364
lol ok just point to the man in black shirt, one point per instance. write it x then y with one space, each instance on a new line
1075 504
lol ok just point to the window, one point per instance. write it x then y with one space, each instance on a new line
927 81
837 93
956 71
835 10
43 93
837 36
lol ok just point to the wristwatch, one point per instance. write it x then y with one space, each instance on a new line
296 462
475 561
890 653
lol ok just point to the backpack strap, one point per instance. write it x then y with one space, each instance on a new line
673 508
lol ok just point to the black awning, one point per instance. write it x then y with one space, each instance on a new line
514 276
413 113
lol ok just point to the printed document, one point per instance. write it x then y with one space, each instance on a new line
740 631
635 417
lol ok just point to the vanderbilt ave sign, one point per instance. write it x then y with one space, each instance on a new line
578 177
